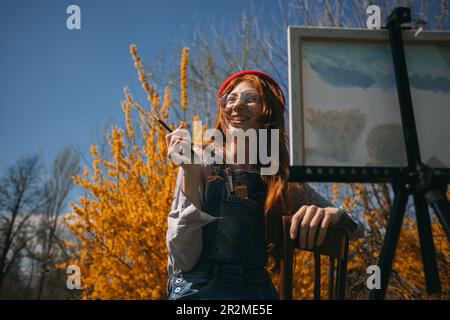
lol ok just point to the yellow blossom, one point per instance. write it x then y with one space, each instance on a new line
183 78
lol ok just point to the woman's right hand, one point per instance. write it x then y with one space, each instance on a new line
177 140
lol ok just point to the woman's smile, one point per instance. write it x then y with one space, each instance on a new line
238 119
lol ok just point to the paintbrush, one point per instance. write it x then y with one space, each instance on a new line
168 128
160 121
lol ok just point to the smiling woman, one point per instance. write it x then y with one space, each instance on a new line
216 227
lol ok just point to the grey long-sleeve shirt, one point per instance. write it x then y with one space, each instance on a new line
185 222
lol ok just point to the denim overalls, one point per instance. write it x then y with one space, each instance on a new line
233 259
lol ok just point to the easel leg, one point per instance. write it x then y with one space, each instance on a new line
441 206
390 240
426 244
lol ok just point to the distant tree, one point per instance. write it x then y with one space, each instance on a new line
56 188
20 198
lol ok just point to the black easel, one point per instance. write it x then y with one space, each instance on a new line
428 186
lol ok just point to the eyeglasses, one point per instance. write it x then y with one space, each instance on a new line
247 97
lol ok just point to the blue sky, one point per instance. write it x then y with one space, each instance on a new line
57 87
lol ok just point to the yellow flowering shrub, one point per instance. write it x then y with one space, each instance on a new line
121 221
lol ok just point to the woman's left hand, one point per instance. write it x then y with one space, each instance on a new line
311 219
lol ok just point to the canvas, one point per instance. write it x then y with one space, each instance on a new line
344 108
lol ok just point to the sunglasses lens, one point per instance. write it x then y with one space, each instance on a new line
231 99
246 98
250 97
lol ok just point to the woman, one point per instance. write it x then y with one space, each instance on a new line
216 235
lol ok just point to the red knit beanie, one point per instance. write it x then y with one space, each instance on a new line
256 73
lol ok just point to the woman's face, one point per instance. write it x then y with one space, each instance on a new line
243 114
